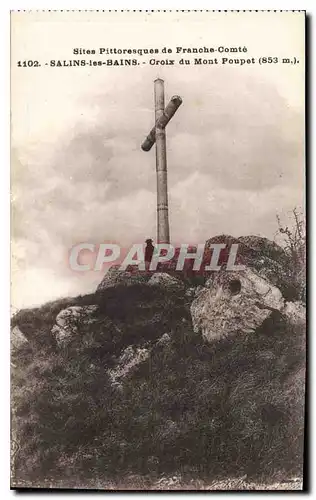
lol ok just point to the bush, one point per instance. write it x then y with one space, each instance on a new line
293 237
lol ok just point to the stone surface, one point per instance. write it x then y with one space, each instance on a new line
131 276
295 313
165 280
233 302
17 339
69 321
264 246
130 358
264 257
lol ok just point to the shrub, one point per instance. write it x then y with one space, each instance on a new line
293 237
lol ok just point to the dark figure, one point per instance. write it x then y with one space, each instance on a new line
149 250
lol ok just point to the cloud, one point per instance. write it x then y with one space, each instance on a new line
235 159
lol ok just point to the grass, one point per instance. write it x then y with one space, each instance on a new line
231 409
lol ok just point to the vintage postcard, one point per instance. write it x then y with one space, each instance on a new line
158 250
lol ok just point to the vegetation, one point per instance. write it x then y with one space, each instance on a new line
230 409
223 410
293 238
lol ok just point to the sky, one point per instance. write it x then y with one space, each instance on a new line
235 148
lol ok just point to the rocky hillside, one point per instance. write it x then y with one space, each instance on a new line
200 375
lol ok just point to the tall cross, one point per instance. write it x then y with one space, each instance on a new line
158 134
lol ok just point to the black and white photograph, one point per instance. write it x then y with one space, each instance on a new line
158 250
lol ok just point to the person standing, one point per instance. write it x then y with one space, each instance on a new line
149 250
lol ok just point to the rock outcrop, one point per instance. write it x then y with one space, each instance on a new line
115 276
264 257
295 313
234 302
68 322
228 302
130 370
17 339
130 358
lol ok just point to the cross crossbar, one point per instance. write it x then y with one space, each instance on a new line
168 113
158 135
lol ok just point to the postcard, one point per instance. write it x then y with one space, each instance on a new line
158 250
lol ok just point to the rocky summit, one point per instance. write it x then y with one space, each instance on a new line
166 372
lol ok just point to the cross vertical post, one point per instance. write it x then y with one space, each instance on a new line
163 234
158 135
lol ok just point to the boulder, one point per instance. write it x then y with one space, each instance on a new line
264 257
69 321
263 246
131 276
233 302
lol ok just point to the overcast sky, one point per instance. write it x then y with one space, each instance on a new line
235 146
